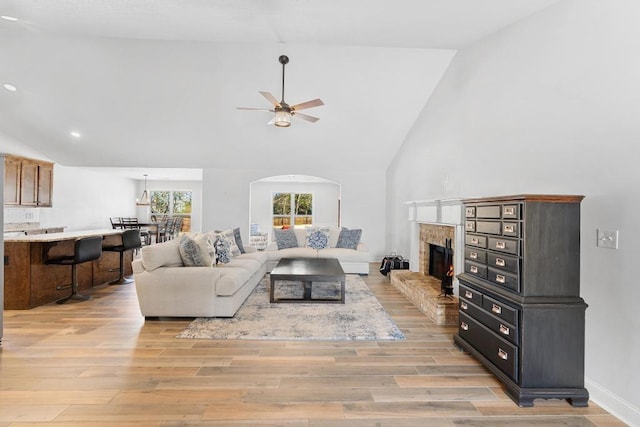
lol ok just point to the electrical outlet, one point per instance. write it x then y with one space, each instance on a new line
608 239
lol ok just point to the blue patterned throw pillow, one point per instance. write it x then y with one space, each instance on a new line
349 239
223 252
285 238
318 240
195 252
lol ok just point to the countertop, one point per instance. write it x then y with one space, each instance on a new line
67 235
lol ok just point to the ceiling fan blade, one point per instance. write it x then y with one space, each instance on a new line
272 121
309 104
256 109
305 117
272 99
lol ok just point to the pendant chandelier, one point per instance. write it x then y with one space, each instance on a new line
144 199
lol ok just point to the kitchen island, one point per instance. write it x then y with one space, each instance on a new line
29 282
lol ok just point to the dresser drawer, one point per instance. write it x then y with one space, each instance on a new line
476 255
470 225
499 351
489 227
511 229
470 295
493 211
511 211
502 278
510 246
501 310
474 240
475 269
470 212
503 262
497 325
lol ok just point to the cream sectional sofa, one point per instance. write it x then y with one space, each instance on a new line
166 288
353 261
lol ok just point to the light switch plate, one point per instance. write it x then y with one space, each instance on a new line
608 239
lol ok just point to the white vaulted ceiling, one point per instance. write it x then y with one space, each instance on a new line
155 83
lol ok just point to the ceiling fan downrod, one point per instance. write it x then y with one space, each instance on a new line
284 60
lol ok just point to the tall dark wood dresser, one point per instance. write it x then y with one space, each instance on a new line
521 313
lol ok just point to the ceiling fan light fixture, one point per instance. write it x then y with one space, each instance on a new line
283 119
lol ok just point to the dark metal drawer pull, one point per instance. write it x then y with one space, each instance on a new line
509 228
509 211
473 269
502 354
469 226
500 262
464 326
475 241
500 278
504 330
464 306
496 309
469 212
473 255
501 245
468 294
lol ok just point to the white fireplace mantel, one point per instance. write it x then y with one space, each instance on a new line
447 212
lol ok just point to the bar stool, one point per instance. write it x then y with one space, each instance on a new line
85 249
130 240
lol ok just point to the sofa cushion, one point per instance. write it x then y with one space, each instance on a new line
317 238
195 252
260 256
231 280
349 239
292 253
344 255
285 238
166 254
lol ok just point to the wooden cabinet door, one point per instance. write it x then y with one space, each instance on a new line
29 186
45 185
11 181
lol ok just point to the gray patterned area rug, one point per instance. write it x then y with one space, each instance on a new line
361 317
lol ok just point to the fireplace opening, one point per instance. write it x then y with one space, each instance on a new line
440 259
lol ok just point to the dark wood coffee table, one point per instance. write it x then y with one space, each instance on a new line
307 271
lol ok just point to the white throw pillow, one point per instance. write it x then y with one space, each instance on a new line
166 254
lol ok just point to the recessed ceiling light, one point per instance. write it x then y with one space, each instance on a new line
75 134
9 18
7 86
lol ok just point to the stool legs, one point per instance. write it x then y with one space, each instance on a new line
74 288
121 280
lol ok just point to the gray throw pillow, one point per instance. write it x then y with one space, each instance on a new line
286 238
194 253
238 238
349 239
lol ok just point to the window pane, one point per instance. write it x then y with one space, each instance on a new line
279 221
304 220
182 202
304 203
282 204
160 202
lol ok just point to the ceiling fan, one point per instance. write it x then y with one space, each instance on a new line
283 111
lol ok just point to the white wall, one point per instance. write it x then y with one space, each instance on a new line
325 201
549 105
226 199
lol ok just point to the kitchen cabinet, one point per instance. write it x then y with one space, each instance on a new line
28 182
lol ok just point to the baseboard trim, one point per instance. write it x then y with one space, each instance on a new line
616 406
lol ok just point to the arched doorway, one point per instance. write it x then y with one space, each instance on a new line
325 195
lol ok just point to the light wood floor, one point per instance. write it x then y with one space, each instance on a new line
99 363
